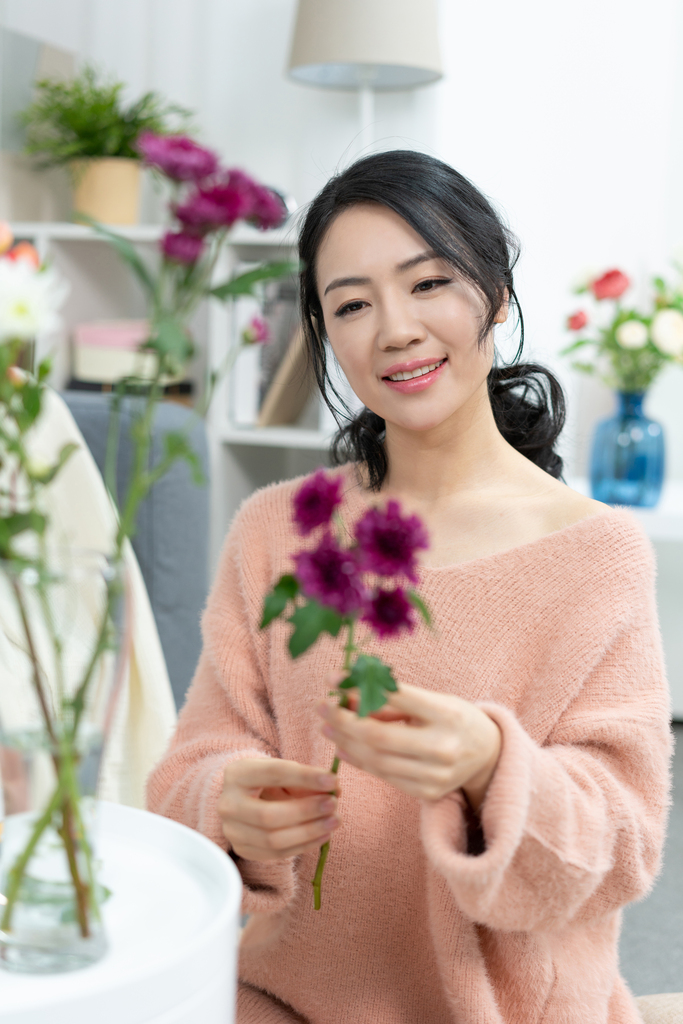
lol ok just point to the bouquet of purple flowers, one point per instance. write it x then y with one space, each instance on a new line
330 591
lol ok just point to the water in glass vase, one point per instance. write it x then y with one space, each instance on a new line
61 670
627 459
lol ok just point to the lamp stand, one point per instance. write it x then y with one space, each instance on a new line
366 114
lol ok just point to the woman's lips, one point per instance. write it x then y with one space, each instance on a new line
408 387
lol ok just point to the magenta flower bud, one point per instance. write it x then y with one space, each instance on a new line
257 332
329 574
316 500
388 612
388 541
177 156
181 247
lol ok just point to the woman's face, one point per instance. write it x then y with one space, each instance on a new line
394 311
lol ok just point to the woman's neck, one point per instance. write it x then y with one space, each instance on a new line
465 453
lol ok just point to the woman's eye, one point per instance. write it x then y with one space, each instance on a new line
431 284
349 307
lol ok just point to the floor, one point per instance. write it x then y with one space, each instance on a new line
652 939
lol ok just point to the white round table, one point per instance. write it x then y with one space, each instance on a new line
173 923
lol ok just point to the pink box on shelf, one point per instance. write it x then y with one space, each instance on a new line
121 334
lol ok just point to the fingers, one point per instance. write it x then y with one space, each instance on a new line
347 731
257 773
419 703
282 813
263 842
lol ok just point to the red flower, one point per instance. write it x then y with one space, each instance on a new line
388 541
177 156
577 321
329 574
316 500
181 247
389 612
611 285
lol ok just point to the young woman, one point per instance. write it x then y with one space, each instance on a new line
489 825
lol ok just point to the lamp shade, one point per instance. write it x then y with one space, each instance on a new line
381 44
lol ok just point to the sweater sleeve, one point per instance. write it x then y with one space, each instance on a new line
226 716
573 826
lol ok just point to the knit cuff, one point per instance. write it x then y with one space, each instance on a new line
475 880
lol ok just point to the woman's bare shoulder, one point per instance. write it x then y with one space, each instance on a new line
565 506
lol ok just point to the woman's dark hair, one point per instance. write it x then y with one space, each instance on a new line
459 224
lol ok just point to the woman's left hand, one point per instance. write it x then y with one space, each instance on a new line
426 744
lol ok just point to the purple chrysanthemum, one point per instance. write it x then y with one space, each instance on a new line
388 541
220 204
181 247
268 209
316 500
388 612
329 574
177 156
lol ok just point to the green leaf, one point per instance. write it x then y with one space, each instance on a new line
177 446
373 679
309 622
275 603
574 345
418 603
172 343
45 476
244 284
19 522
125 249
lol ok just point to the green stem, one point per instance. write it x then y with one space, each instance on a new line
18 869
349 649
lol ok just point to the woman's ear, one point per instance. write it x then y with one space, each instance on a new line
502 314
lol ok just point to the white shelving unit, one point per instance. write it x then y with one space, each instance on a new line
102 287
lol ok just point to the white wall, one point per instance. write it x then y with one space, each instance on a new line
569 116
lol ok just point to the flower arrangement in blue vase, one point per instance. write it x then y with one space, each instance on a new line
627 351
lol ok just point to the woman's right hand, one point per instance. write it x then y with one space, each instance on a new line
272 809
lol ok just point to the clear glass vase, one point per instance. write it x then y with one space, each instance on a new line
627 459
61 668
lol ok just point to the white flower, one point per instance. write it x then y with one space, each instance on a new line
29 299
631 334
667 332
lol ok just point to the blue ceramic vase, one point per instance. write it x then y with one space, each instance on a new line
627 460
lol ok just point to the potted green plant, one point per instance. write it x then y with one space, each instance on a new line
85 125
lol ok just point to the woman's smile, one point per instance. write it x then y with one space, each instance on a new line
416 375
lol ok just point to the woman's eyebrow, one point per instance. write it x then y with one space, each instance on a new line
414 261
343 282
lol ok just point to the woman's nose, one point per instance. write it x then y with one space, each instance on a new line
398 328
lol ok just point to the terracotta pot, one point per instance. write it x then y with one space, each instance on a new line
107 189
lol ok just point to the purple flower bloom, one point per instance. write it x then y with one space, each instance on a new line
329 574
177 156
388 541
388 612
218 205
257 331
316 500
268 209
181 247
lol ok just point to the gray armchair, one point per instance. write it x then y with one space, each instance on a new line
171 542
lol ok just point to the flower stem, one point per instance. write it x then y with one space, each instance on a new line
16 872
343 703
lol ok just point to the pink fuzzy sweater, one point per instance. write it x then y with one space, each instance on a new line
558 641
